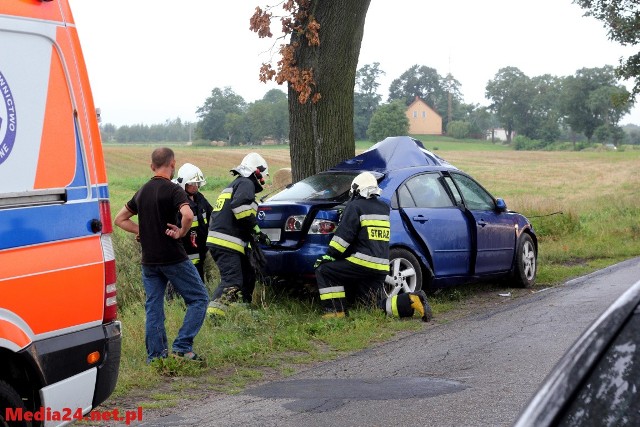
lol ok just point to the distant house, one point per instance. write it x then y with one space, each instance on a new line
423 120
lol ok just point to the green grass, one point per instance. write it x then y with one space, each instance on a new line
584 207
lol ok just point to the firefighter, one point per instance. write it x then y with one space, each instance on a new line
233 225
357 261
191 179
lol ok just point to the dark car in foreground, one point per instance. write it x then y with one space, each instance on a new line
596 382
446 229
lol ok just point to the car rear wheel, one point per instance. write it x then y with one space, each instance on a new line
525 268
405 273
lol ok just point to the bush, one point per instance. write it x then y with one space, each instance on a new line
458 129
521 142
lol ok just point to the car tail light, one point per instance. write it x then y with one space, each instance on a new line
110 303
318 226
322 226
294 223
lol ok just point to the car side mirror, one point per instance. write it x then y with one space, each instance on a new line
501 205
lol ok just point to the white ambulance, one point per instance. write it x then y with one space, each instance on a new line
59 338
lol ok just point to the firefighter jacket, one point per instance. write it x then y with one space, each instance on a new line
363 234
234 216
195 241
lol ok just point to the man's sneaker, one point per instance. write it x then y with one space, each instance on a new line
190 355
216 308
420 304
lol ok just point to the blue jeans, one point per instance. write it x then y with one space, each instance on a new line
187 283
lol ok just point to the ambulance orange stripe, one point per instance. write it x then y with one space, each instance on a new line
57 158
66 298
11 332
49 256
45 10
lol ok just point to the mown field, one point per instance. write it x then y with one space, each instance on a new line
584 207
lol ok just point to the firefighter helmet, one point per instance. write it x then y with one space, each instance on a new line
365 185
190 174
253 164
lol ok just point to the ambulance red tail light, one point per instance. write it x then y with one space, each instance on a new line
105 217
110 302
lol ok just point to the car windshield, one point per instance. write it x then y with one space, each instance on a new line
323 186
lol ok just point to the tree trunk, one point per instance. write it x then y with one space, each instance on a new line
322 134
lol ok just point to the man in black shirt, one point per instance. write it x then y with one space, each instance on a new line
163 256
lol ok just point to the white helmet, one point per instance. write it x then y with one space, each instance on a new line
252 163
190 174
365 185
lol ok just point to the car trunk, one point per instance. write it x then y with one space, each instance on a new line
289 225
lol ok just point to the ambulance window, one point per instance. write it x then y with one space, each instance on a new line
38 149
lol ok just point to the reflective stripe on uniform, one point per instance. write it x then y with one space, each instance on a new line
195 258
391 306
368 261
374 220
339 244
245 210
195 223
226 241
332 293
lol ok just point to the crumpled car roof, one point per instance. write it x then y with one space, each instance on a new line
394 152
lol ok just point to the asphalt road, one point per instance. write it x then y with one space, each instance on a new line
477 371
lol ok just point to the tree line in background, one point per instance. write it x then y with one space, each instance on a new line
540 110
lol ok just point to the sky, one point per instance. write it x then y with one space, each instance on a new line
152 61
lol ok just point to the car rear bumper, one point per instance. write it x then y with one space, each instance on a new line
296 262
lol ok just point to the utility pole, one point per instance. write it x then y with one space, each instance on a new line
449 95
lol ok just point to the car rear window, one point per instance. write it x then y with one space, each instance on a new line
323 186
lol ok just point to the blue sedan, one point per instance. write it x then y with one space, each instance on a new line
446 229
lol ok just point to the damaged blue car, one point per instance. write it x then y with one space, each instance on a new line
446 229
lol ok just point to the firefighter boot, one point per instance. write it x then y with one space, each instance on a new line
332 314
219 306
419 303
216 308
334 308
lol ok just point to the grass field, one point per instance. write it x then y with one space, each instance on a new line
584 207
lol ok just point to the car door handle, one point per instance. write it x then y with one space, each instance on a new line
482 223
420 218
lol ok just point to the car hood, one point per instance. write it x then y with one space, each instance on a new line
392 153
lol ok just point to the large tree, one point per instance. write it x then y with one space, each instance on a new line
269 117
366 97
622 19
421 81
591 98
319 65
511 93
213 114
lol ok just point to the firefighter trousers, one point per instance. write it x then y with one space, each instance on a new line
235 272
342 283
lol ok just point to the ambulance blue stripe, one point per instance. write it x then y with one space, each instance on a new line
76 193
40 224
101 191
80 179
